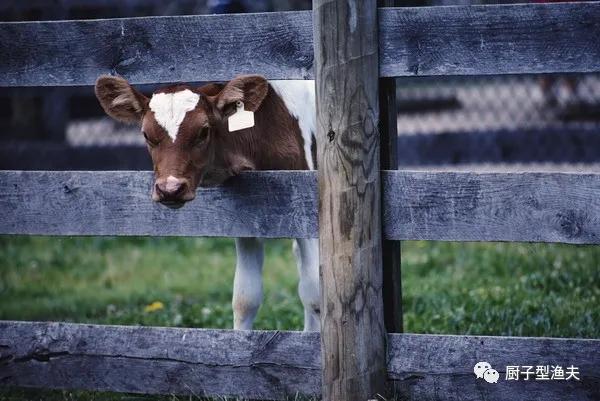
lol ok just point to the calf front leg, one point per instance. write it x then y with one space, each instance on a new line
307 258
247 283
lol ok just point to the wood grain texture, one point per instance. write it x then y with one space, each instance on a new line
531 207
480 40
440 368
388 134
157 49
151 360
272 364
274 204
350 241
528 207
503 39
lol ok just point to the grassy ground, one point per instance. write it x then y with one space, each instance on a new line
449 288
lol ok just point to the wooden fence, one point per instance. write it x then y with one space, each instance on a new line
364 206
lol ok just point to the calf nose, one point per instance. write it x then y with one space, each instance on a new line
170 188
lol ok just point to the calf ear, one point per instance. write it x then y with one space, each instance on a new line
250 89
212 89
120 100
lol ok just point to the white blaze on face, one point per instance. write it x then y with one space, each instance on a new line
170 109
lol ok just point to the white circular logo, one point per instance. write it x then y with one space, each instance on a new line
483 370
480 369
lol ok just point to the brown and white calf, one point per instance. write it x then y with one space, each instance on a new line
187 133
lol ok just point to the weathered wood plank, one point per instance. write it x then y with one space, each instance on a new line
536 207
350 236
480 40
533 38
530 207
274 204
150 360
157 49
271 365
440 368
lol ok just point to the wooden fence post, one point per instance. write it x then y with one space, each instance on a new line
352 324
388 134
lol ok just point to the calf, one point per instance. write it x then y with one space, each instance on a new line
187 131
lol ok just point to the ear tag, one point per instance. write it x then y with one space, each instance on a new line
241 118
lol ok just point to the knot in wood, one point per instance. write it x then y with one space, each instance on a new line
331 135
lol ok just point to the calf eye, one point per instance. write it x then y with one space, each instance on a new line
201 137
148 140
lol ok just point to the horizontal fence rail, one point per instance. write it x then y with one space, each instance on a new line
526 207
453 206
149 360
273 204
273 364
460 40
482 40
157 49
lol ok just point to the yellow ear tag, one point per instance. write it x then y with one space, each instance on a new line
241 118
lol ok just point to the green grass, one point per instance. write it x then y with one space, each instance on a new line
502 289
449 288
112 280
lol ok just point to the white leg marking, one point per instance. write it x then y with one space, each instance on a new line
307 258
299 98
247 283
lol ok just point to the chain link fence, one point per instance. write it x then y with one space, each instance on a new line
462 104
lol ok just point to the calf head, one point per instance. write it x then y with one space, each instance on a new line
185 129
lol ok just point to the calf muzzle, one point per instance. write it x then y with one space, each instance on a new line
172 191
